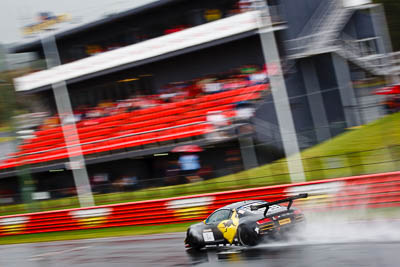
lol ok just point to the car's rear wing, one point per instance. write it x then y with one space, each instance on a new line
267 205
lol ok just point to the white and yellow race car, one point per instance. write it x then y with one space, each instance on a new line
246 223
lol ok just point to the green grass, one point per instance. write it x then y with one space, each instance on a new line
6 139
5 128
373 148
94 233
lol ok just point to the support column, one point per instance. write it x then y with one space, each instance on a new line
315 100
72 142
281 100
347 95
248 152
3 61
381 30
384 43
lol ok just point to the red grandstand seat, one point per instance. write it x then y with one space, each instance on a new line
88 122
193 120
9 163
55 135
47 156
88 148
171 105
117 117
132 141
139 118
166 135
184 103
215 103
116 144
101 146
229 93
48 131
152 110
247 97
170 112
100 132
148 138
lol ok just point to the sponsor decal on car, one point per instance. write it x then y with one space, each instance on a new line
284 221
91 217
13 225
190 207
229 227
208 235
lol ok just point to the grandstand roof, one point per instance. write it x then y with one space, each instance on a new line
150 60
35 44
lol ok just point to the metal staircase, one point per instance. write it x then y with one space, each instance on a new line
360 54
321 31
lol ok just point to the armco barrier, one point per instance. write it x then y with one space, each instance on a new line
379 190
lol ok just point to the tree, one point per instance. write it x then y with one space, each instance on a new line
7 98
392 10
11 103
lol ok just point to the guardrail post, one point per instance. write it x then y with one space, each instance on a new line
394 152
314 168
355 163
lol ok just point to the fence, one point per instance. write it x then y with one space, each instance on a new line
330 166
379 190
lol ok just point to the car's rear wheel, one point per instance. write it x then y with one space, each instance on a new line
247 236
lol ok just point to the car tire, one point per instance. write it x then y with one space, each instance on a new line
247 236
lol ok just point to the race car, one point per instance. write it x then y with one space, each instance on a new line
246 223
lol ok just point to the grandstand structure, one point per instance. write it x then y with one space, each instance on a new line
138 52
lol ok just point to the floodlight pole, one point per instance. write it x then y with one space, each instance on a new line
280 96
71 137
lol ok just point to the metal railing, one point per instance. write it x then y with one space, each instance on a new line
364 53
311 28
361 192
325 26
361 54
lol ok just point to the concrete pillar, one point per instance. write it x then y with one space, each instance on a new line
384 43
248 152
281 101
347 95
3 62
381 29
315 100
63 103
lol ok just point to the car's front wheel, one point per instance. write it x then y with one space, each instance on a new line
248 236
193 242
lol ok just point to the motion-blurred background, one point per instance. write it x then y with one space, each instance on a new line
105 103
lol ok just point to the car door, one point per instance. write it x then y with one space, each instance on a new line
211 233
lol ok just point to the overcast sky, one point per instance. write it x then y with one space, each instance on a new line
14 14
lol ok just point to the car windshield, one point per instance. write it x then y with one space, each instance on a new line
218 216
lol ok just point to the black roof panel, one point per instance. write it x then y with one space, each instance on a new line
239 204
26 47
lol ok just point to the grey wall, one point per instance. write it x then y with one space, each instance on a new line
297 14
360 25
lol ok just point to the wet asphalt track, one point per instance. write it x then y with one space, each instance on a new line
336 249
